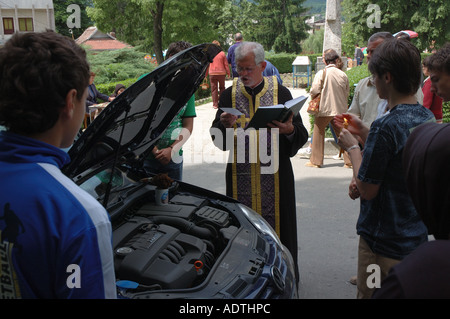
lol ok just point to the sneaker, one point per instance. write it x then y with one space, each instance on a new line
338 156
306 151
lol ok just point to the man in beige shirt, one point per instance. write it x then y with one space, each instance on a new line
365 101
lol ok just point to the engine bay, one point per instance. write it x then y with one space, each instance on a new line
171 246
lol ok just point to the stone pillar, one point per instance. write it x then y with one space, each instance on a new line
333 27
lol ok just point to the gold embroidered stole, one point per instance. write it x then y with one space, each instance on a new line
256 190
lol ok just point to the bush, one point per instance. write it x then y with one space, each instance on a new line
446 111
108 88
119 65
354 76
283 61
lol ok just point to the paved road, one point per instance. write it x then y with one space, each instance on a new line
326 217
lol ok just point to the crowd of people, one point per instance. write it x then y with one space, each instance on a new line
386 108
395 148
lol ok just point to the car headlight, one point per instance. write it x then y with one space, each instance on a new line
260 223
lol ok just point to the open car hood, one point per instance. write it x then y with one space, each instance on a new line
128 128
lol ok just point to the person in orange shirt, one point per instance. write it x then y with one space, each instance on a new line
218 70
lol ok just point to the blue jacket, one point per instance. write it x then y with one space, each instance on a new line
93 95
272 70
55 237
231 59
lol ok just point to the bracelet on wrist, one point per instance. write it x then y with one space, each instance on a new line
352 148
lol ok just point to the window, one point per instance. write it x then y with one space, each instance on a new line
25 24
8 25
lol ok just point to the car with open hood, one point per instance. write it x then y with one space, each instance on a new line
201 244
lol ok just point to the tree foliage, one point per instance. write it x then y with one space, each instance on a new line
119 65
281 24
156 23
125 18
314 42
428 18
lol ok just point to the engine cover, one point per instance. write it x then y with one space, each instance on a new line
152 254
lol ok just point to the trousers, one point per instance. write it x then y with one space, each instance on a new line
366 275
217 87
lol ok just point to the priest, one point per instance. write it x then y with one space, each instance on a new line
259 172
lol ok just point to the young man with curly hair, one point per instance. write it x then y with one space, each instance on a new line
55 238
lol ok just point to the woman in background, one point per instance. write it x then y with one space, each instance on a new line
218 70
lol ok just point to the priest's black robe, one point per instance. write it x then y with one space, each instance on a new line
273 192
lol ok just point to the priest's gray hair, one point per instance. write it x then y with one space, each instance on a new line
250 47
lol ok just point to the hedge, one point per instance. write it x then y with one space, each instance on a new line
354 75
446 111
283 61
108 88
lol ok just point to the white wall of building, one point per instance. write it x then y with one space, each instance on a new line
40 11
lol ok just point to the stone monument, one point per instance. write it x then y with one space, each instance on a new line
333 26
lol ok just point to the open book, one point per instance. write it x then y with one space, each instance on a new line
267 114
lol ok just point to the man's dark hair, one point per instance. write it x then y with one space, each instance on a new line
37 71
440 61
426 62
380 35
176 47
402 60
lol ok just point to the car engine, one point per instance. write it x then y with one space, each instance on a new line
171 246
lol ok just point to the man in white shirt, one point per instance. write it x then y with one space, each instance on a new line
366 103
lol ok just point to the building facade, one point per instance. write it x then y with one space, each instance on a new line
25 16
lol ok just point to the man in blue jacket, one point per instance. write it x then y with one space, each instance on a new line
55 239
231 56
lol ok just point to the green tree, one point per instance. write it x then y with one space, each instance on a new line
428 18
125 18
431 21
237 16
314 42
281 25
157 23
350 38
61 16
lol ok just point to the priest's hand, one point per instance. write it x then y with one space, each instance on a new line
227 119
286 128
